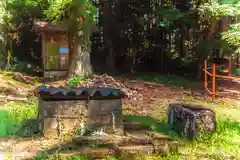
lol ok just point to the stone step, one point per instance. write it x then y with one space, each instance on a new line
125 150
97 152
102 152
161 142
136 133
157 136
135 150
110 140
146 134
165 148
91 153
144 142
128 125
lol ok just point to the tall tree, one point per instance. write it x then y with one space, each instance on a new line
79 15
3 36
108 17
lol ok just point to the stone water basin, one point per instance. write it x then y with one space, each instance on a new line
89 109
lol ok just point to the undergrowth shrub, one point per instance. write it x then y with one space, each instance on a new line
74 81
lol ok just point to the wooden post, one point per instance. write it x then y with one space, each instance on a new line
205 74
213 81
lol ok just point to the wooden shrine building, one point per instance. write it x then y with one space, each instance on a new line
55 48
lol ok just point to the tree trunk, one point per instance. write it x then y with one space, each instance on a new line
110 60
211 30
80 59
3 46
183 47
223 25
79 41
208 36
107 35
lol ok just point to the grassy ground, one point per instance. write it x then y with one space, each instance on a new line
13 113
223 144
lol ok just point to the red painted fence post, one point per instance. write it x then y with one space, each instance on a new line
229 68
213 81
205 74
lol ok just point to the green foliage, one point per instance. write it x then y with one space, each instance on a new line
168 16
58 8
2 11
17 9
204 49
74 81
210 11
232 36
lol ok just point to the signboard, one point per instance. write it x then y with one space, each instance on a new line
63 50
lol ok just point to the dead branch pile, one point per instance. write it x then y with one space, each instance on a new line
109 82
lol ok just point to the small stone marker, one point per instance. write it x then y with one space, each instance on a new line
190 120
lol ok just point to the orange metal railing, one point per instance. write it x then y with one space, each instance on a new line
213 74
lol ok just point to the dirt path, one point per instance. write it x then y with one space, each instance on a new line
229 89
24 147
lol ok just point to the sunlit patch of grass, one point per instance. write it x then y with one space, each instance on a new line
224 143
13 113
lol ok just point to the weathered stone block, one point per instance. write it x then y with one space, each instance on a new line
50 126
189 120
131 150
106 114
59 117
